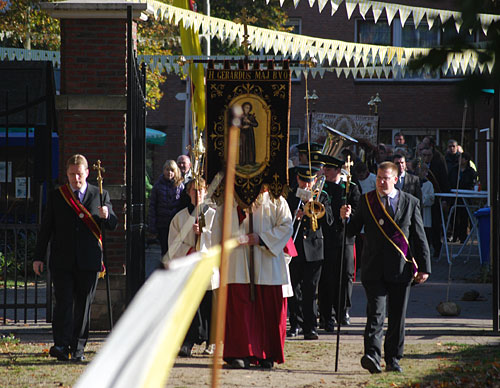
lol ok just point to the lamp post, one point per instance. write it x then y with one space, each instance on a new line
373 104
311 99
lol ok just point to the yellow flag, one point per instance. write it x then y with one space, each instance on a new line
191 46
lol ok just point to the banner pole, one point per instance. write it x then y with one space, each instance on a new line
220 321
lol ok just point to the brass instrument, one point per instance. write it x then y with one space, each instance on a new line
314 209
336 141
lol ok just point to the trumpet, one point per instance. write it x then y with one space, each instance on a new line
314 209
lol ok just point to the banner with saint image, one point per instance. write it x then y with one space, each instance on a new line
257 102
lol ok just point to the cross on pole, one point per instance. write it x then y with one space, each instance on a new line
245 19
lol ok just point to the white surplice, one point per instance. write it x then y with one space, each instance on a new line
272 221
182 223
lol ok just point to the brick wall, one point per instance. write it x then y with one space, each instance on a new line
93 56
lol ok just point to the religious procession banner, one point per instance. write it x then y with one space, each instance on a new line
257 103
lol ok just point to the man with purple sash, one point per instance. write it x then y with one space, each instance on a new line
390 264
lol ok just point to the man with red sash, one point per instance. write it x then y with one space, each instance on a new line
72 224
391 218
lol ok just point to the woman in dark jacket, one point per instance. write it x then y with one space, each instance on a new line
463 177
165 202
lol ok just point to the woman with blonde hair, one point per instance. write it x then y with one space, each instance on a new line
165 202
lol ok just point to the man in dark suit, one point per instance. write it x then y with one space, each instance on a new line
305 269
328 293
72 224
407 182
391 218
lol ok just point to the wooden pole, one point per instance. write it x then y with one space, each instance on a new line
220 318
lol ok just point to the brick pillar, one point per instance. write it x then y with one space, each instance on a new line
92 113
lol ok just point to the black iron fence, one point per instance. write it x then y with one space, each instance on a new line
136 167
27 135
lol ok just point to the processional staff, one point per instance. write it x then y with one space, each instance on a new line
97 166
348 165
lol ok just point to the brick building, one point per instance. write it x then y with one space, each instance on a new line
415 105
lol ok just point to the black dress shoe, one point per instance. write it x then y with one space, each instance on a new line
369 363
60 352
312 335
293 332
393 367
330 326
267 363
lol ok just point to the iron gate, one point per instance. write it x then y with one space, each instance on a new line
136 166
27 140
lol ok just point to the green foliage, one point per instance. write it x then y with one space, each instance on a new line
24 25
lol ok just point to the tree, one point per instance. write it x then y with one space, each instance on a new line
24 25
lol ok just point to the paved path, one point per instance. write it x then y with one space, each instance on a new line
424 323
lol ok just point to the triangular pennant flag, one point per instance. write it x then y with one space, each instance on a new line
458 24
418 14
338 70
335 5
321 72
346 72
378 71
377 11
281 3
404 12
371 71
490 65
445 15
362 72
363 9
311 3
431 16
390 53
390 11
387 71
321 5
295 3
350 5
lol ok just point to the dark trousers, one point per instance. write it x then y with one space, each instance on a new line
305 276
329 282
163 238
378 293
199 331
74 292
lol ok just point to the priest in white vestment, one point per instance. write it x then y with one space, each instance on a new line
256 330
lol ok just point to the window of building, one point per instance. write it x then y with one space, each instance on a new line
294 135
369 32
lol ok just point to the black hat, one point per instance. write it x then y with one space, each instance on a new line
331 161
305 174
315 148
317 160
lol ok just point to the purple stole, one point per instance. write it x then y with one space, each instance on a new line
390 230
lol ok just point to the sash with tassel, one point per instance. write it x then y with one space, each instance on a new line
85 216
391 231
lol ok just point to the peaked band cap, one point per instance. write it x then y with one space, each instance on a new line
331 161
315 148
305 174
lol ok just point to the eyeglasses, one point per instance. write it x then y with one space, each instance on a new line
385 178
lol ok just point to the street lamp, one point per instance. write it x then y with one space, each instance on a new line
311 99
373 104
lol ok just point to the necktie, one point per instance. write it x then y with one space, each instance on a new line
77 195
388 206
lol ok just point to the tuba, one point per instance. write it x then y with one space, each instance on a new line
336 141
